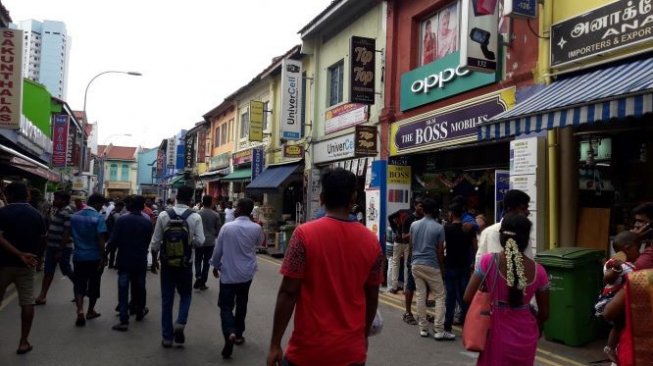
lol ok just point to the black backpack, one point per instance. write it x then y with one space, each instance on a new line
176 248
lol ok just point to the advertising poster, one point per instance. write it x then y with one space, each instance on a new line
362 53
439 35
479 38
372 210
501 186
291 99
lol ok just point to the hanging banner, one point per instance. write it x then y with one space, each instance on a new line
257 162
256 120
201 146
60 140
189 153
478 35
11 87
160 162
366 141
361 83
291 99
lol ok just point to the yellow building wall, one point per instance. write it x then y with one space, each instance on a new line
565 9
229 146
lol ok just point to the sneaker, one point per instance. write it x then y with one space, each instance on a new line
179 334
121 327
197 284
424 333
228 346
166 343
444 336
141 315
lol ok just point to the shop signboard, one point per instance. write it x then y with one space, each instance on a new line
523 157
160 162
338 148
219 161
361 84
366 141
479 37
345 116
501 186
291 99
60 140
441 79
242 157
314 190
257 162
256 120
448 125
79 183
189 153
293 151
11 88
619 25
520 8
171 152
201 146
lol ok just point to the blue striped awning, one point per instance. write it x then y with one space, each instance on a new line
618 91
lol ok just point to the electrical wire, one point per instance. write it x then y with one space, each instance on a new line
530 26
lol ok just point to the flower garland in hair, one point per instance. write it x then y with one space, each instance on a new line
513 254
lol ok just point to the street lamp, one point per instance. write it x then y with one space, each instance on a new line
103 157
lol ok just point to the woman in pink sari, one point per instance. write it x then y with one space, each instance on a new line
513 280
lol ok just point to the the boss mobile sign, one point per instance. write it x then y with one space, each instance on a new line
291 99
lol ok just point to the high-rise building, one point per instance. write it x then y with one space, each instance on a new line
45 56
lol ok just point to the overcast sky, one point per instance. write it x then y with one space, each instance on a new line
192 55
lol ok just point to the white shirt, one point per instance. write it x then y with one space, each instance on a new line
194 226
229 215
490 242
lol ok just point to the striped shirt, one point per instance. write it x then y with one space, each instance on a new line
59 222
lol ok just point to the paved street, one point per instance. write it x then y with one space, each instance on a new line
58 342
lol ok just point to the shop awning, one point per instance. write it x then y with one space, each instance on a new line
213 175
177 181
239 174
273 177
28 165
624 90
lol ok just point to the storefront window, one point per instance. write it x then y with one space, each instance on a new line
216 137
244 125
336 78
113 172
125 173
439 34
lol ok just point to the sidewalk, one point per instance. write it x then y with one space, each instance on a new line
548 353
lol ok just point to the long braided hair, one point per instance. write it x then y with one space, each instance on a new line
514 237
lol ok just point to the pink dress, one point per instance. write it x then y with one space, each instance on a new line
514 332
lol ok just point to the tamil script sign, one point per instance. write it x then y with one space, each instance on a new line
446 125
622 24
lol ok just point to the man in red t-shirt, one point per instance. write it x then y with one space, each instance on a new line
332 271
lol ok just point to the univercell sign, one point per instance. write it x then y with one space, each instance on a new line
342 147
291 99
438 80
11 78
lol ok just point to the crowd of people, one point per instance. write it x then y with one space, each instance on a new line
330 285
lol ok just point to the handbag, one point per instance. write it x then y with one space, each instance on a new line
478 319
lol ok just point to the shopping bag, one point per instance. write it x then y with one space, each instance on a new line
377 324
477 322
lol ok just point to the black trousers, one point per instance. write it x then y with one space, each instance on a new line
233 295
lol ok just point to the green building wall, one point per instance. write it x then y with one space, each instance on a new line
37 106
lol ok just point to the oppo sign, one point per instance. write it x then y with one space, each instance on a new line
437 80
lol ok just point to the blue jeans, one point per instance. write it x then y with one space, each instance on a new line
202 257
180 279
455 280
233 294
137 281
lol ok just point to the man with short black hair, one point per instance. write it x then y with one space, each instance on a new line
515 202
59 244
22 237
211 223
131 237
89 230
234 262
178 278
332 271
427 240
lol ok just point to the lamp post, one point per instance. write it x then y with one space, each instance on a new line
102 159
132 73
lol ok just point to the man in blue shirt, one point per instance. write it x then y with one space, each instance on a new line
427 241
234 261
89 229
131 236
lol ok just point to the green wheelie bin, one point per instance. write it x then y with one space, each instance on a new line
575 279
